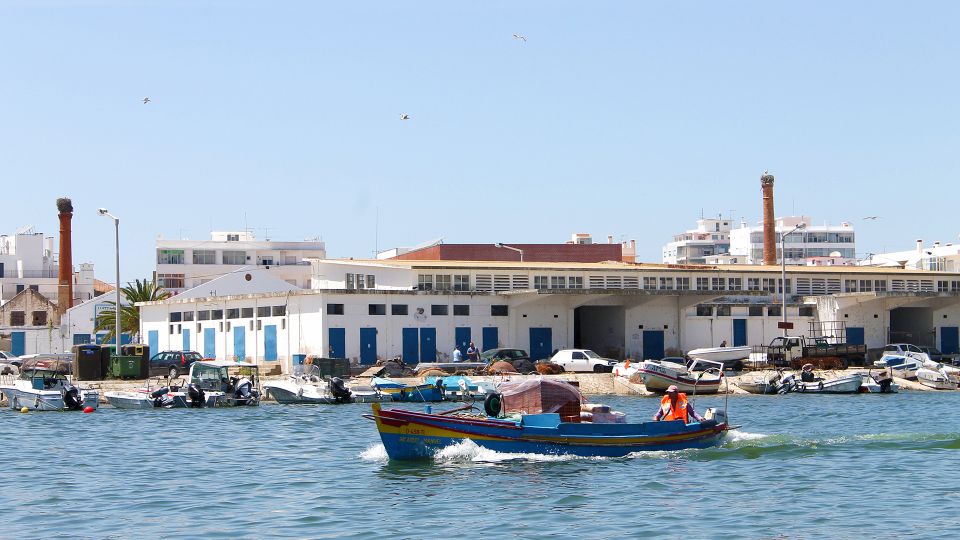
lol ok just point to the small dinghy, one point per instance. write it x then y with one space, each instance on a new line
697 376
878 383
766 382
936 379
807 383
721 354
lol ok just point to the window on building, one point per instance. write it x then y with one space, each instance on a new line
279 311
175 316
246 313
753 284
376 309
169 256
666 283
334 309
540 282
850 285
39 318
233 313
371 281
558 282
216 314
233 238
866 285
439 309
499 310
704 311
35 288
461 309
263 311
204 256
20 288
755 311
575 282
266 260
203 315
425 282
170 281
703 284
234 257
443 282
770 285
348 281
805 311
773 311
649 282
723 311
683 284
461 282
399 309
188 316
361 281
735 284
880 285
718 284
18 318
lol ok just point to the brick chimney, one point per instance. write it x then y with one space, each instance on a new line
769 223
65 286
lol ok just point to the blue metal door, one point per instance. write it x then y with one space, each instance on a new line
153 340
186 340
428 344
541 343
855 335
739 332
462 337
209 343
411 345
368 345
949 340
490 338
239 343
338 342
652 344
19 345
270 342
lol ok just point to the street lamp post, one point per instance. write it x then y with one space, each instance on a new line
117 329
783 276
518 250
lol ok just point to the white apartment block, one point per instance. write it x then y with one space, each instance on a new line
28 261
185 264
810 245
710 238
935 258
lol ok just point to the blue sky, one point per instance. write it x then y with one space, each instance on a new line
623 118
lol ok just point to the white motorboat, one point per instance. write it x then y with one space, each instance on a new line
878 383
235 384
848 384
313 389
697 376
167 397
721 354
902 366
765 382
45 384
934 378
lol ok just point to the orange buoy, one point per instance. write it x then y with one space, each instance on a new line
88 409
25 409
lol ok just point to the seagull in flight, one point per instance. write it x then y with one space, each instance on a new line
404 116
872 217
146 100
521 37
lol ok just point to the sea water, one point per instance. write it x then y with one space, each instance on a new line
802 466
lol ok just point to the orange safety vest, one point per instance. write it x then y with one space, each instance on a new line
681 410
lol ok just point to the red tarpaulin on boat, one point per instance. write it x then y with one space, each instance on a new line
539 396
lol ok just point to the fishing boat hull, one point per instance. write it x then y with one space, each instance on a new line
721 354
657 377
759 386
130 400
849 384
46 400
413 435
935 379
309 394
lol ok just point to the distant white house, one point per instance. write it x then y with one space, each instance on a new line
834 242
696 246
184 264
27 261
937 257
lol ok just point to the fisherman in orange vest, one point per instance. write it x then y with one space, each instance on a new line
674 406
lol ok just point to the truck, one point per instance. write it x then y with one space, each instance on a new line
795 351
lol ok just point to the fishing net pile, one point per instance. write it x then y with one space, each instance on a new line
534 396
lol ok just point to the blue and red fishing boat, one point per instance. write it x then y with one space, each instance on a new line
539 416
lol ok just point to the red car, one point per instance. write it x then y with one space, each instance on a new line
173 363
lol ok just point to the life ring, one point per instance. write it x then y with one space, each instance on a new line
493 404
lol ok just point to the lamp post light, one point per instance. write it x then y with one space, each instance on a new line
783 276
117 330
518 250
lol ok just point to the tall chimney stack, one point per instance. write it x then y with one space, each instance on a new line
65 287
769 226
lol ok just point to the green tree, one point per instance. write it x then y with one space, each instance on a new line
139 291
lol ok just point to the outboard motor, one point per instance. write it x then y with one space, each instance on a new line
159 396
244 393
438 384
340 391
713 416
787 384
72 399
198 397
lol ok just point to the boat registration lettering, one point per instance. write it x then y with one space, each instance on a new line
413 431
424 440
656 369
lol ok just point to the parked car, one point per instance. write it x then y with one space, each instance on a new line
173 363
906 349
518 358
9 364
937 356
582 360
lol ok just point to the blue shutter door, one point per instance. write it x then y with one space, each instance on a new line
239 343
368 345
462 337
855 335
209 343
153 340
428 344
652 344
270 342
411 345
541 343
338 342
186 340
949 340
19 344
490 338
739 332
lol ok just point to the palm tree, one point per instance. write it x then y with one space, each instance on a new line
139 291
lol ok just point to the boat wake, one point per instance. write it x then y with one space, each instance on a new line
468 451
375 453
